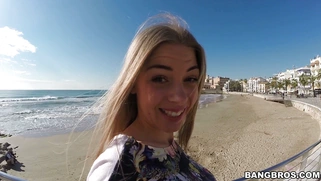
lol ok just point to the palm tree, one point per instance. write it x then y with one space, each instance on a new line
280 85
241 81
245 81
287 82
311 80
274 83
303 79
318 76
294 84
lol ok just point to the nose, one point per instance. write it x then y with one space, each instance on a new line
178 93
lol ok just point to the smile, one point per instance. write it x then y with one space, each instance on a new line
171 113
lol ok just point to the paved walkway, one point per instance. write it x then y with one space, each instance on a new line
316 101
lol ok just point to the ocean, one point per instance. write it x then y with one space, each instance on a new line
49 112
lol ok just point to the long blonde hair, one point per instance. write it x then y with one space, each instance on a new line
119 105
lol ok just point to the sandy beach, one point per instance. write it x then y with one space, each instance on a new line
246 133
240 133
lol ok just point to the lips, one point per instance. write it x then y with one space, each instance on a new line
173 112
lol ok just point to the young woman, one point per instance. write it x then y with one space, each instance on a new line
155 96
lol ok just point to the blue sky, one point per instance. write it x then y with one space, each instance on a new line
59 44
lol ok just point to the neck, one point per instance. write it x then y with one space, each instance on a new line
149 135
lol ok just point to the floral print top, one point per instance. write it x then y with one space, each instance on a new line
140 162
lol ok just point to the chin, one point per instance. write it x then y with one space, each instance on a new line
171 130
174 128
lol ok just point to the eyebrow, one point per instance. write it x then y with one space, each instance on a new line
158 66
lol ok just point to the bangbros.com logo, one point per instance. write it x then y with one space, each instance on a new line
282 175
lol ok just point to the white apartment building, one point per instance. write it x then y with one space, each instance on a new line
315 65
295 74
288 74
256 85
303 70
315 68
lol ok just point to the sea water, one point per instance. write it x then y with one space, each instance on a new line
50 112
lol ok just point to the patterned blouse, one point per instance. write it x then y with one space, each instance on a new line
128 159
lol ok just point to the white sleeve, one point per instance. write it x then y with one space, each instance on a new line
104 165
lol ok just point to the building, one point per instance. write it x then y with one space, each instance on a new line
260 85
257 85
288 74
208 82
315 65
302 71
315 68
218 82
215 82
244 87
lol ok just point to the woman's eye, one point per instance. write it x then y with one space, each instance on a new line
192 79
160 79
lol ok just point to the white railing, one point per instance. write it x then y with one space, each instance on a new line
308 160
5 176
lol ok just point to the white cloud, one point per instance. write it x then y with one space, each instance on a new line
28 62
7 60
11 82
31 64
12 43
21 72
67 80
34 80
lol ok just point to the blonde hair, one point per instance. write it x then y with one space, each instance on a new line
119 105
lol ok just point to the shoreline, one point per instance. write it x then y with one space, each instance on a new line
231 136
91 121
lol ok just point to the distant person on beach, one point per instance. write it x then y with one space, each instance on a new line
149 113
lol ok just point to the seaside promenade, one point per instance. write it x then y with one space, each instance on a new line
316 101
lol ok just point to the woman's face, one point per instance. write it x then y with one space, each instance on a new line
167 87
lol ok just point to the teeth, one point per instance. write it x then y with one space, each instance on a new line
174 114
